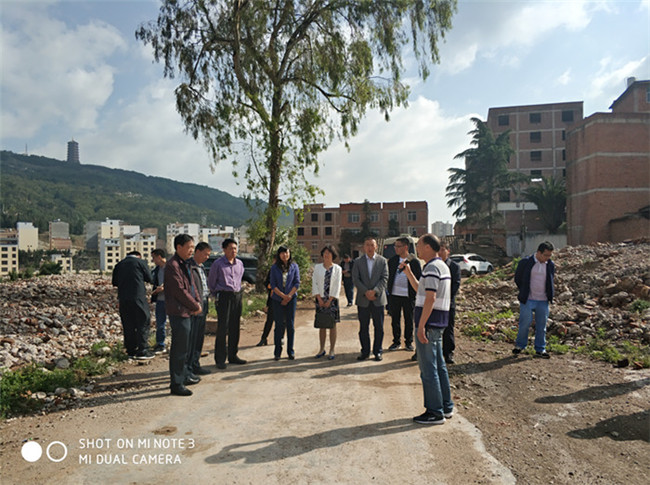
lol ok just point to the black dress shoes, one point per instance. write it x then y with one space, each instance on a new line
261 343
201 371
379 357
191 380
221 365
362 357
237 360
180 391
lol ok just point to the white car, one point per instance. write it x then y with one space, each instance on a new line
472 263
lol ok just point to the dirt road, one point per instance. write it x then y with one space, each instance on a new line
303 421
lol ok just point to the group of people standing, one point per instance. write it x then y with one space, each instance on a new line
423 295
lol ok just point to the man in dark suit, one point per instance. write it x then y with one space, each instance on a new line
129 275
347 264
401 295
448 340
370 275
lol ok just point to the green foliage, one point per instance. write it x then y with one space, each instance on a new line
550 199
270 84
50 267
16 387
473 190
251 303
42 189
13 275
639 306
553 344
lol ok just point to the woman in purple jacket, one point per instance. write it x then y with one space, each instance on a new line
285 281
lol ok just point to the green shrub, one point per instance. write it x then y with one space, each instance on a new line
49 267
639 306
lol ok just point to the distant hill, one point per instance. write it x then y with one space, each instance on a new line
39 189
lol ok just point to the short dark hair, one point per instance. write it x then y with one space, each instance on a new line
159 252
331 249
368 238
227 242
134 253
443 243
182 240
403 240
346 255
202 246
545 246
432 241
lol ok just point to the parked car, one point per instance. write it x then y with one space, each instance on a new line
388 249
472 263
250 266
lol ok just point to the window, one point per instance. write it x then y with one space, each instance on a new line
373 217
392 216
567 116
314 244
314 218
563 155
564 172
301 231
535 117
328 216
328 231
647 94
504 120
411 216
314 231
536 173
353 217
535 136
536 156
563 135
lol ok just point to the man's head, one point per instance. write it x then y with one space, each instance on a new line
346 258
184 245
544 251
444 250
402 247
158 257
370 246
137 254
202 252
428 247
229 247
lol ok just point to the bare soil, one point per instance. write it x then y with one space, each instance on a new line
564 420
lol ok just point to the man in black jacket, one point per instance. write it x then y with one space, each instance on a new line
448 340
401 296
129 275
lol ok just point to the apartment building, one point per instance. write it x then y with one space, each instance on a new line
608 171
60 235
121 240
8 251
323 225
538 138
441 229
64 261
27 236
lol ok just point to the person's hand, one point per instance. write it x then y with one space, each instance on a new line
422 337
197 312
404 266
370 295
327 304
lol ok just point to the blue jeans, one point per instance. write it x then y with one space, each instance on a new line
433 373
284 319
161 320
526 317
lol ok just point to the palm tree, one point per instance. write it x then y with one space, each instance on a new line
473 190
550 199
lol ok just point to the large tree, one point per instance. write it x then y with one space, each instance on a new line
550 199
474 189
269 84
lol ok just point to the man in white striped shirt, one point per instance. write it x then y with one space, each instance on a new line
431 317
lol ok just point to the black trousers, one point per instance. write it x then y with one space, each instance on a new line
228 320
377 315
348 286
135 325
396 306
268 325
181 327
448 341
197 335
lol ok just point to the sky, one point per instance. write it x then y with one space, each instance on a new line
74 70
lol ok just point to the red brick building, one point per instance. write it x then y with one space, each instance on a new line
324 225
608 171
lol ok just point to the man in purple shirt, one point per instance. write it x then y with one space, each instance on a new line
224 282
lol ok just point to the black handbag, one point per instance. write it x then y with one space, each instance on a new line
324 320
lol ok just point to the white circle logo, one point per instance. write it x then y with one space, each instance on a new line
31 451
65 451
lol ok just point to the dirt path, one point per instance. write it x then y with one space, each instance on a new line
302 421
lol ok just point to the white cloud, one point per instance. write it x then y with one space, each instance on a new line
404 159
52 74
610 78
564 78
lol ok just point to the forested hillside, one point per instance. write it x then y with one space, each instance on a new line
39 190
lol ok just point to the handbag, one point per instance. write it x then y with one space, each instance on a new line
324 320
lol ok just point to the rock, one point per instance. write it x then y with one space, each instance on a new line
106 350
62 363
60 391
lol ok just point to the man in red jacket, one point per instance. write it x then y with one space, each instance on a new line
182 300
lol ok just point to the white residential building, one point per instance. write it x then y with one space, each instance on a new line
27 236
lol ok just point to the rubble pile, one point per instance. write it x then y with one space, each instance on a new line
54 318
595 287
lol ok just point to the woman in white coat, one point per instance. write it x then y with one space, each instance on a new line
326 286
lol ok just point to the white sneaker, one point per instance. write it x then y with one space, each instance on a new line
449 414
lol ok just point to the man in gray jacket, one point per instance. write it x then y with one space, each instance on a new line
370 275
